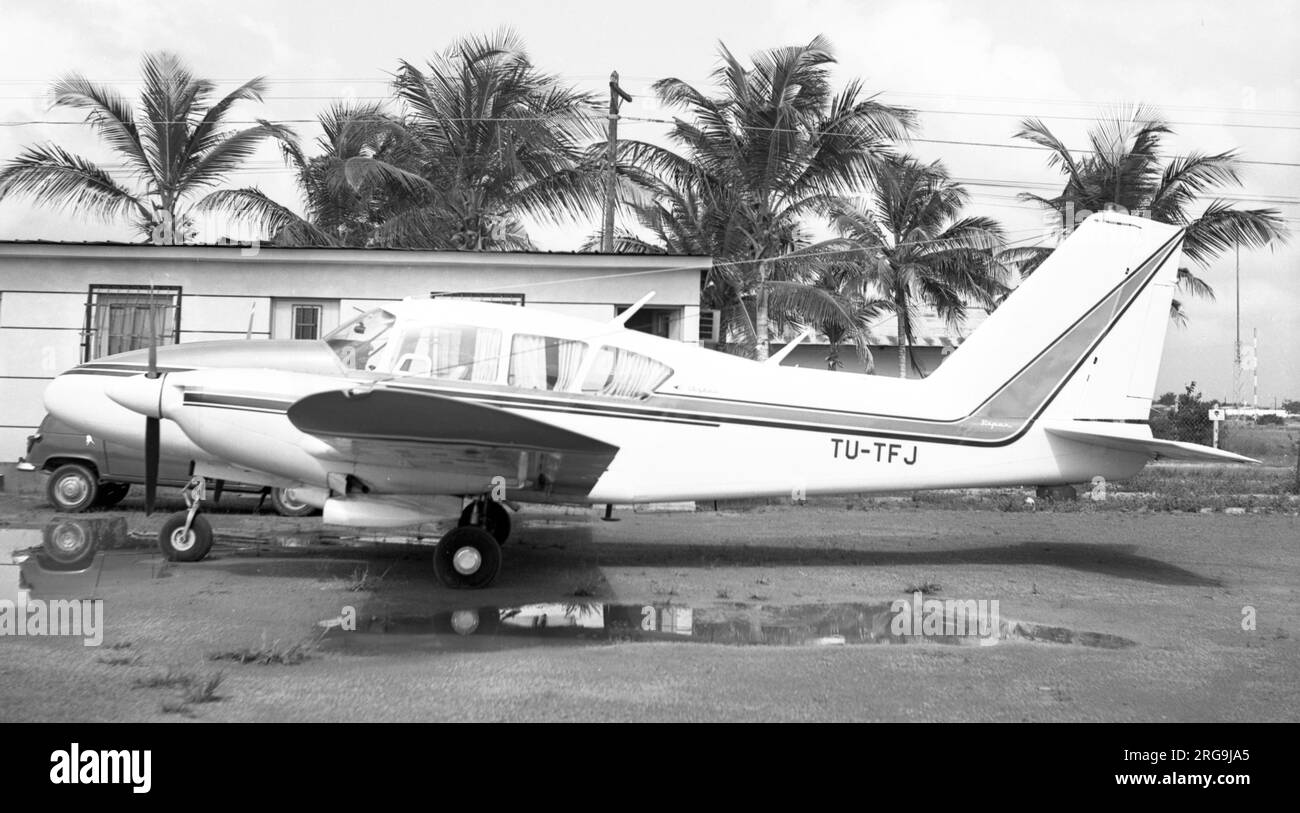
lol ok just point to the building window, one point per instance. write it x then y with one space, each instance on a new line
123 317
655 321
306 321
499 299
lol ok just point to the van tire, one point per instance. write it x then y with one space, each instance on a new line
110 494
72 488
286 507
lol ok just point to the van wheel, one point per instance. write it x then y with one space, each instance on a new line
286 507
72 488
110 494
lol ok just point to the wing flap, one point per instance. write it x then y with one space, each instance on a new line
1173 449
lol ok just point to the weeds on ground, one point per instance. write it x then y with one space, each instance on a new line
267 654
927 587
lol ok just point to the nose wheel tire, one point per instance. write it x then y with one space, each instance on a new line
181 546
72 488
495 519
467 557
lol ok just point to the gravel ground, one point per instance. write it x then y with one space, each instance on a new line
1174 585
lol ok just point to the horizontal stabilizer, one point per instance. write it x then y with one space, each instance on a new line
1171 449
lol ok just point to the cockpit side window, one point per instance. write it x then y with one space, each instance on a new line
357 341
453 352
544 362
620 373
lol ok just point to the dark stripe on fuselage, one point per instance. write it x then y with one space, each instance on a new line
213 399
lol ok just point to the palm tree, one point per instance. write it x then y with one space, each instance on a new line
754 162
1126 169
364 173
173 147
922 251
498 141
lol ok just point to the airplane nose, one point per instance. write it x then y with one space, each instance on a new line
66 396
138 393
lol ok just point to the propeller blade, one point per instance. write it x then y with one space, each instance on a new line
153 338
151 427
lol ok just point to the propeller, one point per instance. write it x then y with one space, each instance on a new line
151 424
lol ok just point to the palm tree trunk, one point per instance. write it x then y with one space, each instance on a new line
760 320
902 343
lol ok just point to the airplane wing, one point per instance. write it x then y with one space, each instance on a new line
426 430
1173 449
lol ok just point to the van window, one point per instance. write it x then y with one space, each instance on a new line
453 352
620 373
544 362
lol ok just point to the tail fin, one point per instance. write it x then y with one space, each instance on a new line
1082 337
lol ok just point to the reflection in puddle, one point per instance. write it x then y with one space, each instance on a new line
63 559
593 622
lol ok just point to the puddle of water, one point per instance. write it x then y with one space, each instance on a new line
63 559
577 622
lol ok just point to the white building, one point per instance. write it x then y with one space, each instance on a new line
63 303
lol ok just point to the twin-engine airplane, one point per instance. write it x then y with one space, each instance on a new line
430 409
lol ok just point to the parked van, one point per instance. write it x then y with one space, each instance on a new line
87 472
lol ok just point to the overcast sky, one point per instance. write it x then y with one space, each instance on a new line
1227 74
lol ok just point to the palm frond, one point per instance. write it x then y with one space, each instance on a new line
51 176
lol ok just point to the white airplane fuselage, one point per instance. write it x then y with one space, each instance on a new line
1077 345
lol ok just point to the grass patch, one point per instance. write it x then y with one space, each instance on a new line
362 581
588 587
173 678
204 691
120 660
927 587
268 654
177 707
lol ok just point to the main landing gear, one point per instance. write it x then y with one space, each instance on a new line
186 536
469 556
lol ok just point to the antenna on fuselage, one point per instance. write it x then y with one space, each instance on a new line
621 319
775 358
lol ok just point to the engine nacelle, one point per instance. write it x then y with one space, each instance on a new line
389 512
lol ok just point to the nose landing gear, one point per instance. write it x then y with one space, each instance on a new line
186 536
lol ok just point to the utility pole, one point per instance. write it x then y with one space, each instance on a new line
616 97
1236 347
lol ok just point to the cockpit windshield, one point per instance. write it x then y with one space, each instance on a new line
359 340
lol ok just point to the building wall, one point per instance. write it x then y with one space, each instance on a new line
44 290
813 356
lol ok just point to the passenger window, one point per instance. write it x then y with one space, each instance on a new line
453 352
620 373
544 362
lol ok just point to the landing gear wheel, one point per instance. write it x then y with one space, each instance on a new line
286 507
110 494
467 557
495 520
72 488
179 546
